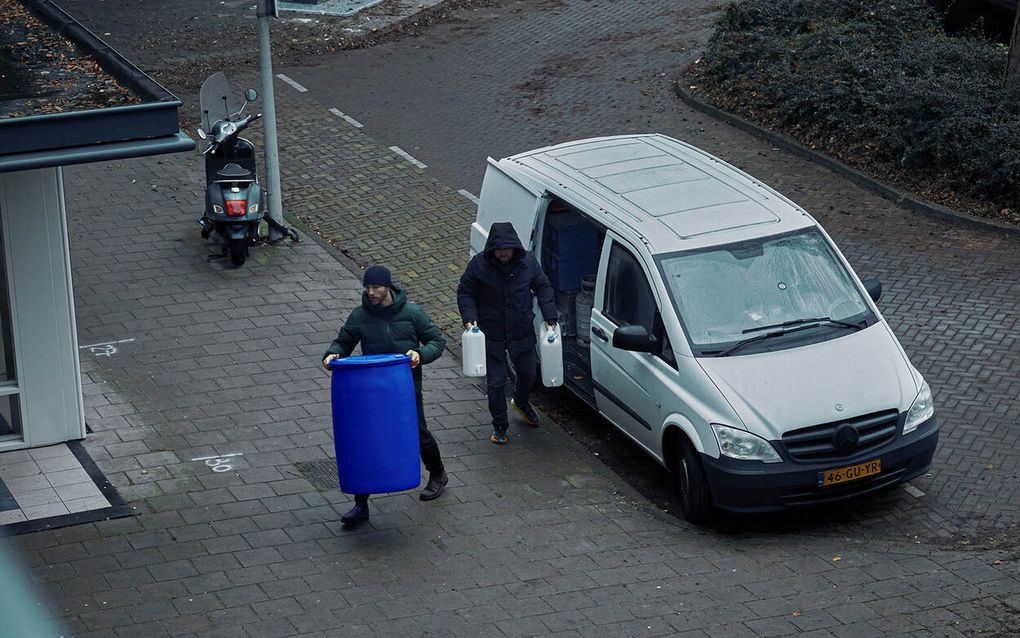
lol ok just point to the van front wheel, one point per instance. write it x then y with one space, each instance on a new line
690 484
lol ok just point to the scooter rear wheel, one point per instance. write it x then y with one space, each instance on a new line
238 251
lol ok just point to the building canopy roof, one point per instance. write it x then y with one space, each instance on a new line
71 98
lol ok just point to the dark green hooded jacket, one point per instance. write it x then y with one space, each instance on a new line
392 329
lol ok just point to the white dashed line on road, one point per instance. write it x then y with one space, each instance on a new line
291 82
913 491
468 195
350 120
401 152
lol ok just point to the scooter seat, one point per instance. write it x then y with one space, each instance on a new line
234 171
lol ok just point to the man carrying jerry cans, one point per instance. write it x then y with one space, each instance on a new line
497 292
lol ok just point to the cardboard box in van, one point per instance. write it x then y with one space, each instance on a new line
726 334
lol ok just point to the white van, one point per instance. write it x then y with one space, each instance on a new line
726 334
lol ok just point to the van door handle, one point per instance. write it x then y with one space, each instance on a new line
600 333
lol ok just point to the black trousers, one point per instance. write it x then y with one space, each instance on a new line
524 364
426 442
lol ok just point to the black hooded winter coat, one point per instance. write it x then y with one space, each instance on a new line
499 296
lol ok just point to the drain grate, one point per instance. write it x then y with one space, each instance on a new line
321 474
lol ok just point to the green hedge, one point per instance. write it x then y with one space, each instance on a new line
878 83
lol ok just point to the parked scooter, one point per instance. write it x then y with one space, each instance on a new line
233 197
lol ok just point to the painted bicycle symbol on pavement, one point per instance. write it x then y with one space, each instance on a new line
223 463
105 348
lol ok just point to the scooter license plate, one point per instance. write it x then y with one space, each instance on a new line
849 473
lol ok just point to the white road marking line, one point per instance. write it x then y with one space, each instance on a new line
350 120
108 343
401 152
106 348
291 82
468 195
221 456
913 491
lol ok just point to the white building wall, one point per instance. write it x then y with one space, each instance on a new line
42 304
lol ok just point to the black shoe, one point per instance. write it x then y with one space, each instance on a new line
357 515
435 486
527 413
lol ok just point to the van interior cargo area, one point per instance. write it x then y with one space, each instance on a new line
571 246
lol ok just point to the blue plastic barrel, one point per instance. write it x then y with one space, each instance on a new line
375 424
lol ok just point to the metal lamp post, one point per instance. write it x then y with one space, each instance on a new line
267 9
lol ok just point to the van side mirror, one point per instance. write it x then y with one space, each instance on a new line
874 287
634 339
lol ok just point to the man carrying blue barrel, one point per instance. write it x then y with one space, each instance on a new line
387 323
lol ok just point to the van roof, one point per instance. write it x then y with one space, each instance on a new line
673 195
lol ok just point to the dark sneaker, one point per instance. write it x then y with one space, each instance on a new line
499 438
527 413
435 486
355 517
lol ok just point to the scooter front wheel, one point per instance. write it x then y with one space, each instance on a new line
238 251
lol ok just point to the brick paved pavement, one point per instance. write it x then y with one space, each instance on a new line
537 538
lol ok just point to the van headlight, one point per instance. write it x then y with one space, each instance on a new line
922 409
744 446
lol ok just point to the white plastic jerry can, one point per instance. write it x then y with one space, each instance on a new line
472 352
550 355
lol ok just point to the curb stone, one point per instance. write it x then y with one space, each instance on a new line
366 32
898 197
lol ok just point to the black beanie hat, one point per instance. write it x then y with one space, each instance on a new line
377 276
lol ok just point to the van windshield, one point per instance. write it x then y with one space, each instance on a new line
764 294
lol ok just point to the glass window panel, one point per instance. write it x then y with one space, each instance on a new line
10 415
723 294
629 299
7 369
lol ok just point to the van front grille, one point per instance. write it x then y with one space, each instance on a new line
842 439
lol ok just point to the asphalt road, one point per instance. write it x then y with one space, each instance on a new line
503 79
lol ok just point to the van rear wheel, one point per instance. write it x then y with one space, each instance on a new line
690 484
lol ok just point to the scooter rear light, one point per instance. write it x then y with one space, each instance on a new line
236 207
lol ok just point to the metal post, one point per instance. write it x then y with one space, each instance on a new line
275 211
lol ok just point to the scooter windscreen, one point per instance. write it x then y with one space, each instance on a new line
218 101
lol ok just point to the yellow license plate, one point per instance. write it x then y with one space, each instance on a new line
850 473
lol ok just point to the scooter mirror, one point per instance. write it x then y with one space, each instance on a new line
251 95
201 134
